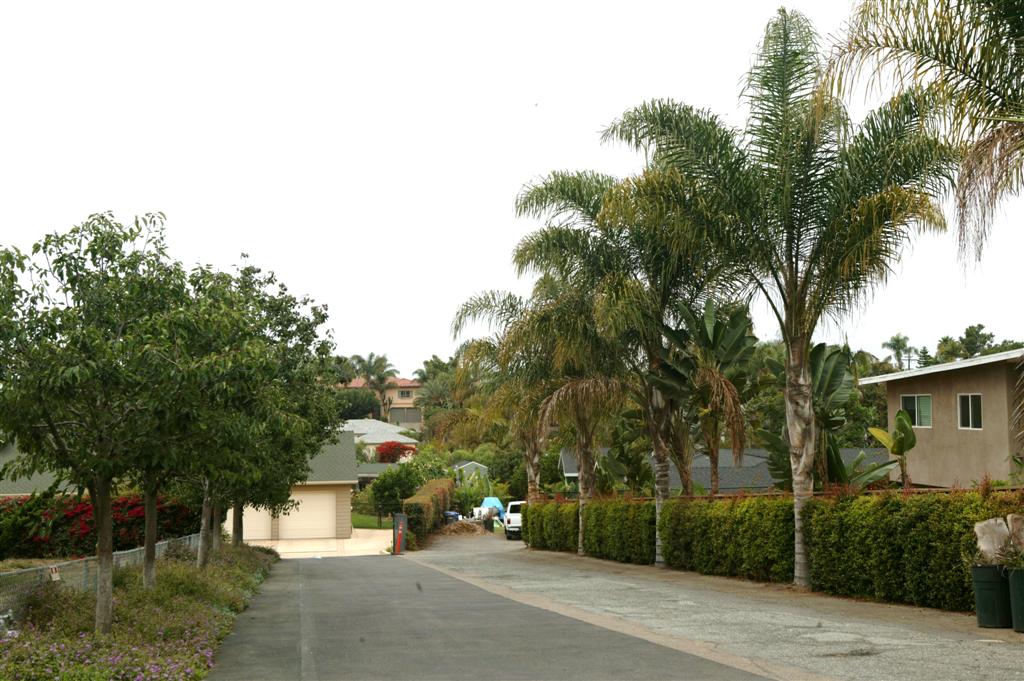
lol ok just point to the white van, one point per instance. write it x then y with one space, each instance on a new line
514 519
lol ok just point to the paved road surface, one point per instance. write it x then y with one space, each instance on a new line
380 617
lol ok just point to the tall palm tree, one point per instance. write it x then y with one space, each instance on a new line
899 346
812 208
972 51
638 264
378 373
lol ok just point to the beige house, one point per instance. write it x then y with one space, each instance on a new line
324 501
963 418
402 396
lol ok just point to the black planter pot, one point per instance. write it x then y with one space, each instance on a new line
1016 578
992 596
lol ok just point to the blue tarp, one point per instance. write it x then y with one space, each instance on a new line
494 502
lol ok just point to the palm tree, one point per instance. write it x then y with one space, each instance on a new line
971 50
708 368
899 346
812 208
638 264
378 373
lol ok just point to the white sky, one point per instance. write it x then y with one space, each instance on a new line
371 152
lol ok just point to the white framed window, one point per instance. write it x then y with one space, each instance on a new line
920 409
405 394
970 411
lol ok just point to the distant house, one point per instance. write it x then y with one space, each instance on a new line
324 501
402 394
963 417
567 464
468 469
368 472
21 486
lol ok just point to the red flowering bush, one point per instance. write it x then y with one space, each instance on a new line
63 526
391 451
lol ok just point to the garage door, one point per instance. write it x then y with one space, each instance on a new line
255 524
314 517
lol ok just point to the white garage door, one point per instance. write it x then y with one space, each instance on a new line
255 524
314 517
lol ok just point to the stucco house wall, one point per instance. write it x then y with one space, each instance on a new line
947 455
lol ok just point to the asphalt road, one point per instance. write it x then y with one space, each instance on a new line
383 617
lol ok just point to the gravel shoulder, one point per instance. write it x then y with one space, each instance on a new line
784 632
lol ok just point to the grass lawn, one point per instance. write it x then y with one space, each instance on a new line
369 522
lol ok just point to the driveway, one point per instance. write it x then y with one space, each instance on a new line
363 542
764 627
385 617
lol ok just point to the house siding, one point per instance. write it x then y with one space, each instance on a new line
945 455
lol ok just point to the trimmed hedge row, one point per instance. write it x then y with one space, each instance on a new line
913 549
891 547
552 526
426 508
744 537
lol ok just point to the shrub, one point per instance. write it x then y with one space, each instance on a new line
748 537
169 633
912 549
425 508
552 525
363 502
619 530
61 526
391 451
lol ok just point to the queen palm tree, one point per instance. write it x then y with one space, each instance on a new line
972 51
812 209
899 346
378 373
638 264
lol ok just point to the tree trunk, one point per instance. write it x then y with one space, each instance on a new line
104 555
532 455
205 537
236 523
711 442
800 421
585 463
216 526
682 455
904 477
149 557
656 426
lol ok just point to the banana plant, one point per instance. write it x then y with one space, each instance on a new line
899 442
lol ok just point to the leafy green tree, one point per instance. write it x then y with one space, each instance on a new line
899 442
393 486
813 208
435 366
925 357
975 341
970 50
356 403
949 350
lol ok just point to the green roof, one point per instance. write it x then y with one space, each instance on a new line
34 483
336 462
367 469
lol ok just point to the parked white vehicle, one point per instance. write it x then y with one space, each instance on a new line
514 519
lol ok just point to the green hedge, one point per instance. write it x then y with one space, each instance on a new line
912 549
619 530
552 526
425 508
744 537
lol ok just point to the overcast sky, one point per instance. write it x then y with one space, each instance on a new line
371 152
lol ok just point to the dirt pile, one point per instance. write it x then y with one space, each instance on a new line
462 528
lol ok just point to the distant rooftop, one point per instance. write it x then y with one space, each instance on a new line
360 382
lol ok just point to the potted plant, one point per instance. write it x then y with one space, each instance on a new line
1015 569
989 574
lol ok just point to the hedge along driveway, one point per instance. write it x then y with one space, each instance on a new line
914 549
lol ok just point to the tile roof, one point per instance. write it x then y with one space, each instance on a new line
360 426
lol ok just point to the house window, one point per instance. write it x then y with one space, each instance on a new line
970 412
920 409
405 394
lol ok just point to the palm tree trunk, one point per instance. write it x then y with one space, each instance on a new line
103 514
585 462
236 523
532 455
800 421
149 542
711 442
656 426
682 456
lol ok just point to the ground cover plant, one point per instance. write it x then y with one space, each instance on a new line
168 633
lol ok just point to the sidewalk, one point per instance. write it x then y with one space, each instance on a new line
769 625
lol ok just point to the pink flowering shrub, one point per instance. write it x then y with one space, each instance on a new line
168 634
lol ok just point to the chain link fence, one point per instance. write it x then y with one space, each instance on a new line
15 586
